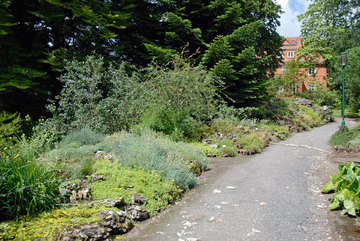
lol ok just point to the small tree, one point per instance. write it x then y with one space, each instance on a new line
290 80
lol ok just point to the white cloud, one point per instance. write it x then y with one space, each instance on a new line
290 27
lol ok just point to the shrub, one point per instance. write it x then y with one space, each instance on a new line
79 168
229 150
344 135
102 100
252 141
154 151
311 117
207 149
81 137
65 153
228 147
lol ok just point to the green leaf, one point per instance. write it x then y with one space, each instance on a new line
328 187
350 206
334 205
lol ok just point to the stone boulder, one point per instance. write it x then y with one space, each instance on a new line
111 223
115 223
89 232
137 212
114 203
136 199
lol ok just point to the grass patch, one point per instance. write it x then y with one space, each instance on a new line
348 113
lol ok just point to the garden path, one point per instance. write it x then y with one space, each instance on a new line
274 195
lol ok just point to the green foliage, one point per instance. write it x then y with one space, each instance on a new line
10 126
207 149
65 153
104 101
46 224
159 193
227 146
84 136
344 135
79 168
154 151
231 57
27 185
235 45
290 79
310 117
253 141
178 99
352 79
346 185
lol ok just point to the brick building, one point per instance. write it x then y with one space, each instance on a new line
315 73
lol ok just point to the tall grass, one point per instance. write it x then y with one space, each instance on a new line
26 185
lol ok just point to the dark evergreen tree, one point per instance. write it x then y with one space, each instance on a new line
237 39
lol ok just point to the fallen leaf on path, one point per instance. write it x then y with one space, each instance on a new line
216 191
218 220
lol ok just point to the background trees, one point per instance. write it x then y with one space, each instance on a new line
236 39
328 28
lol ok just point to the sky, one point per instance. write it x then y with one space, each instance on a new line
290 27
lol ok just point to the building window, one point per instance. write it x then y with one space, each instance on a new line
311 87
292 88
290 54
280 89
312 70
283 69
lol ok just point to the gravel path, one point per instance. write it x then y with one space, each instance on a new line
274 195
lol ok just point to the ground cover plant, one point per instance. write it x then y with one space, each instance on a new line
346 185
124 181
49 225
344 135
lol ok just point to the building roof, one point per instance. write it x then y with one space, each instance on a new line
294 42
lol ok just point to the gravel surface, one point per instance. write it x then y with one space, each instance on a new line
274 195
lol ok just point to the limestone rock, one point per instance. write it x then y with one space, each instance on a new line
136 199
117 203
96 177
92 232
103 155
115 223
136 212
207 141
214 146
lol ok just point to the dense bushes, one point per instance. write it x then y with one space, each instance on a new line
173 100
